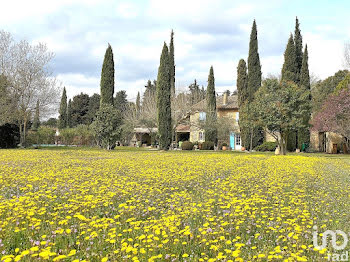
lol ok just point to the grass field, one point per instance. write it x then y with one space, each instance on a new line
92 205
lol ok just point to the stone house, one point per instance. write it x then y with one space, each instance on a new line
227 112
327 142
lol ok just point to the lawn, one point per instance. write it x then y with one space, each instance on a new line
130 205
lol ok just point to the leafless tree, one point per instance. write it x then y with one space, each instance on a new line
27 68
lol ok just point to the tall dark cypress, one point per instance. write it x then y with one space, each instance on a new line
304 72
36 120
69 114
138 103
254 67
254 82
164 101
172 63
107 78
298 41
62 119
290 68
210 127
242 82
290 73
243 95
304 135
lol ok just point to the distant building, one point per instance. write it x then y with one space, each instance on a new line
227 109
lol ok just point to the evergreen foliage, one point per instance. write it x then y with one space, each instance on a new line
164 100
80 110
107 78
62 120
106 126
280 109
120 101
93 107
211 117
324 88
290 69
242 82
172 63
138 103
196 94
298 41
254 83
254 67
69 113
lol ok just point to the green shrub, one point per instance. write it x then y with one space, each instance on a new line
44 135
266 146
208 145
187 145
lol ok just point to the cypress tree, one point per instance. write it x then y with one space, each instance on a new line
69 113
290 73
36 121
290 69
254 83
304 73
138 103
172 63
163 100
298 40
107 78
254 67
304 135
62 120
210 127
242 82
242 90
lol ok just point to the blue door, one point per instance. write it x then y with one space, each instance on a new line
232 140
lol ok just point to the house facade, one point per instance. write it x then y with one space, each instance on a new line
327 142
227 114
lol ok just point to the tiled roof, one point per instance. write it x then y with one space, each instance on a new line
232 103
183 128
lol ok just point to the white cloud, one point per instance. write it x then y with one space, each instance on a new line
325 55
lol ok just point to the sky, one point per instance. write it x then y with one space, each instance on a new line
205 33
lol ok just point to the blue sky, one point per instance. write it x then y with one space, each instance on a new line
206 33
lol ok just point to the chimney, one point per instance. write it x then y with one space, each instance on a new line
225 99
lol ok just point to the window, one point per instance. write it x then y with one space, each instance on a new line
202 116
201 136
238 139
237 116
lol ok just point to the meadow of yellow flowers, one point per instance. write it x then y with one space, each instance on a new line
92 205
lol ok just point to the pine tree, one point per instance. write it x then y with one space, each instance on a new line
290 69
36 121
172 63
163 100
138 103
304 134
298 40
254 67
69 113
242 82
107 78
211 117
62 120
